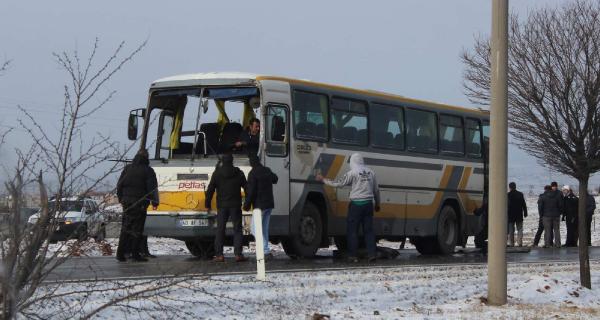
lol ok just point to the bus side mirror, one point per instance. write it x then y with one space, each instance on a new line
132 127
132 122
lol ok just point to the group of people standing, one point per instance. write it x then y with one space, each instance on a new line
552 206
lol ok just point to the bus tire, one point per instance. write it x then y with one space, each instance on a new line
341 243
425 245
201 249
306 239
447 231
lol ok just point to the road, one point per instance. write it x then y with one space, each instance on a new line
108 268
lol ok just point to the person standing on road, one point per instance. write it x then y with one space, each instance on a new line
571 205
540 230
552 207
363 196
260 196
517 209
227 181
590 207
136 189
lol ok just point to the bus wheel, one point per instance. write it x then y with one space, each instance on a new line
201 249
305 240
341 243
447 233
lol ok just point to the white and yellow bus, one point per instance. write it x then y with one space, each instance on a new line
429 158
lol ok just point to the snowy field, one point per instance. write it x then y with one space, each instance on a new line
539 291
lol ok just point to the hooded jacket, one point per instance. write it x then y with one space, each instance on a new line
227 180
260 186
571 207
362 179
138 183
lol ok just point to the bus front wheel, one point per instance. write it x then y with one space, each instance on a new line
304 241
201 249
447 234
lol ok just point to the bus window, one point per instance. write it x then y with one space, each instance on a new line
349 121
275 131
310 116
387 126
452 135
421 131
166 128
473 138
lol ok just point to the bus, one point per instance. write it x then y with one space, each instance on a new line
429 159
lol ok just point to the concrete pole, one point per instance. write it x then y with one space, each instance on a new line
260 249
498 155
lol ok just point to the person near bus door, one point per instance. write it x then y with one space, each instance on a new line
136 189
227 181
517 209
260 196
364 197
249 139
571 205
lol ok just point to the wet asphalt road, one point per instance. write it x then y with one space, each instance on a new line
105 268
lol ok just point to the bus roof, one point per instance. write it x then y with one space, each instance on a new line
241 78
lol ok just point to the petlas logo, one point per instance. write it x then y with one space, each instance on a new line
187 185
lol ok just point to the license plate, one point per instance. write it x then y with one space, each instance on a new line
193 222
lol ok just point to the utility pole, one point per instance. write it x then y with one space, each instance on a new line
498 155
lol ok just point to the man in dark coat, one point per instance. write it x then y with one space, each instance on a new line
260 195
590 207
249 140
540 230
517 209
228 181
552 207
482 236
136 189
571 205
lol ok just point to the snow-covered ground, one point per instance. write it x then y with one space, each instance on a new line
540 291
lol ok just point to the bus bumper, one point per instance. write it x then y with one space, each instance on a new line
189 226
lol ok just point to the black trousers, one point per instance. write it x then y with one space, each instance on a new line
540 230
223 215
572 232
132 228
360 215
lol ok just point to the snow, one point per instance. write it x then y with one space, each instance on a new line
439 292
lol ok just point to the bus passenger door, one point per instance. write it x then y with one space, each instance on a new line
277 158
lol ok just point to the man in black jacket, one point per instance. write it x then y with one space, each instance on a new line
228 181
570 216
590 207
517 209
540 230
552 207
260 195
136 189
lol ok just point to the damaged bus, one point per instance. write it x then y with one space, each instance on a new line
429 158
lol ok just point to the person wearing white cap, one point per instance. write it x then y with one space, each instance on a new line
570 215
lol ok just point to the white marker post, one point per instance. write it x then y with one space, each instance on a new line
260 250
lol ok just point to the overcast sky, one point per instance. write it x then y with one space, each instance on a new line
405 47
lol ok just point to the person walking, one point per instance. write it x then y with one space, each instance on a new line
136 189
227 181
590 207
364 198
551 208
260 196
540 230
571 205
517 209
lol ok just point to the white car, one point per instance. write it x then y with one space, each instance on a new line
78 218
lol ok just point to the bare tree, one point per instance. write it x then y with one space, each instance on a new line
70 158
4 66
554 93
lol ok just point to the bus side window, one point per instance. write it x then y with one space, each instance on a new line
473 138
421 131
349 121
276 131
387 126
310 116
452 135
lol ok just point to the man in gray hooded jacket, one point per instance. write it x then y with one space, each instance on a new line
364 197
